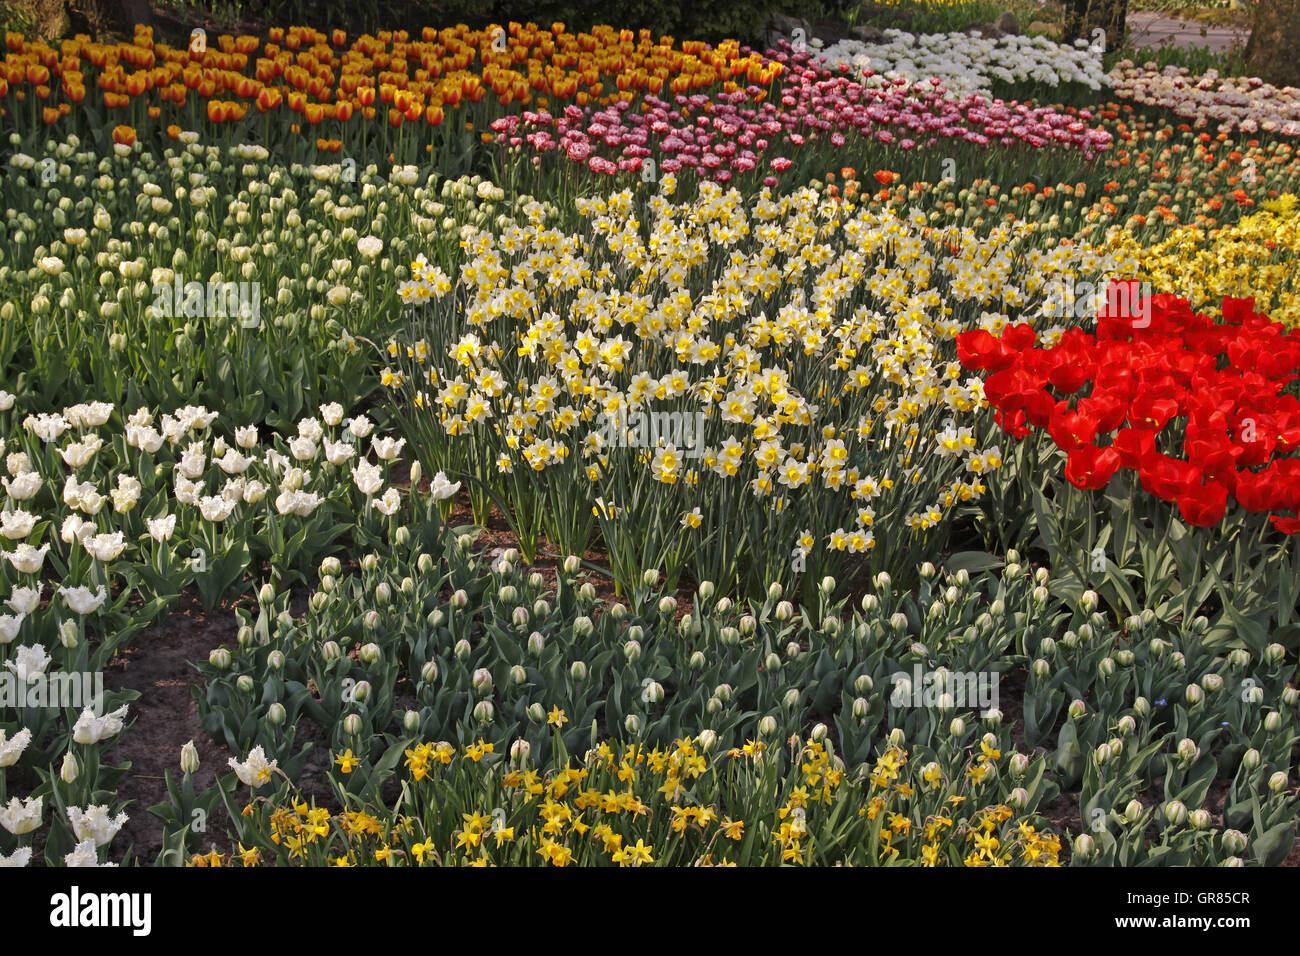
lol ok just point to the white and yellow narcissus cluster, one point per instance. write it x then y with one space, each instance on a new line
813 340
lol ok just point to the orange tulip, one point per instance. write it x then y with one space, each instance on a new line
124 135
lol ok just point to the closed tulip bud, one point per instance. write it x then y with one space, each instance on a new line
650 578
1199 819
1148 617
481 680
793 650
1251 759
1212 683
883 581
462 650
724 692
1127 725
896 737
537 713
1019 798
370 654
266 595
667 605
70 770
870 603
518 675
484 711
1019 765
1101 756
1116 746
317 600
331 651
831 626
1142 706
1193 695
1274 654
362 690
370 562
536 644
828 585
189 758
748 624
723 605
383 593
245 684
1277 782
520 751
1178 660
578 671
791 699
276 714
1088 601
1040 595
332 566
542 610
424 563
429 672
957 727
935 610
684 625
507 594
632 724
1124 657
698 661
767 726
1234 841
706 740
582 626
632 651
370 620
245 636
587 593
1272 720
1077 709
898 622
860 708
993 717
1085 632
1239 659
1133 623
1187 750
713 706
1290 696
729 636
774 591
1176 812
519 617
1085 847
459 599
411 721
1133 811
863 684
772 663
571 564
1042 669
1046 647
963 578
1105 667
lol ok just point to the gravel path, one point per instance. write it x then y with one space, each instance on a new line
1149 29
